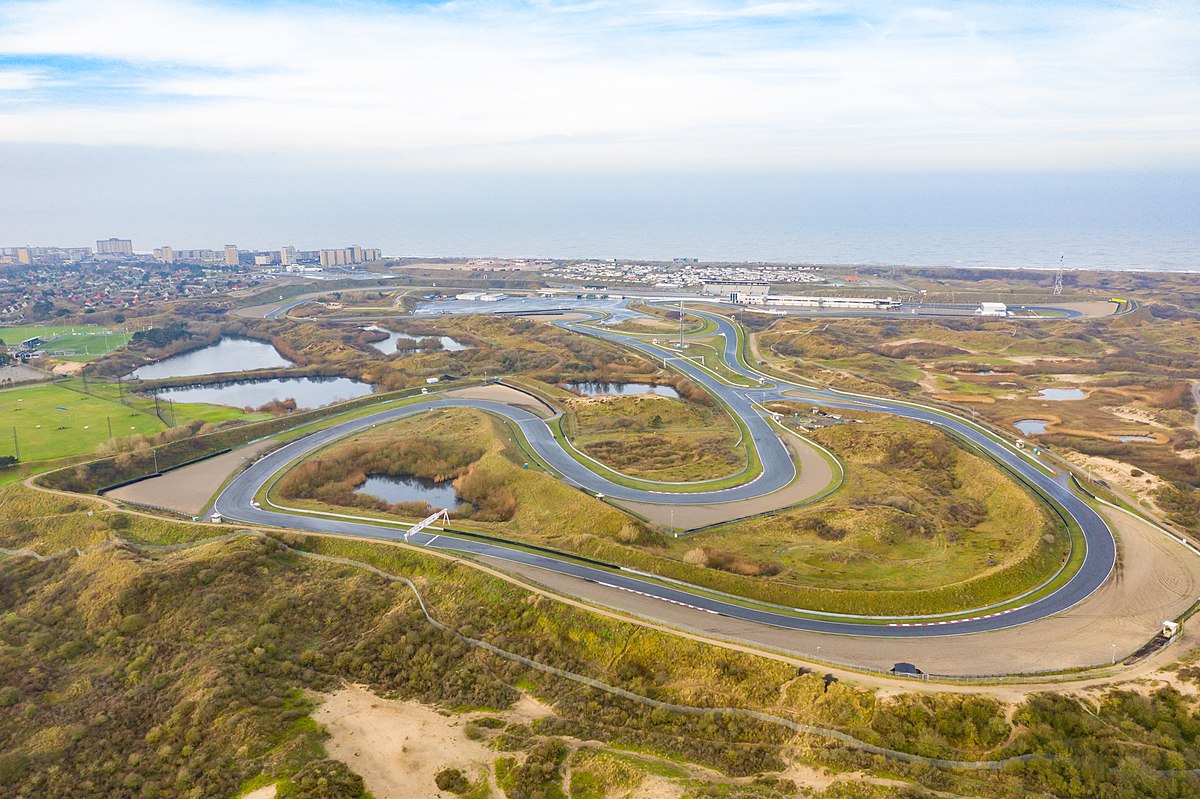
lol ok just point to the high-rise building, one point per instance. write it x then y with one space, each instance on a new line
24 256
114 247
165 254
345 256
232 257
288 255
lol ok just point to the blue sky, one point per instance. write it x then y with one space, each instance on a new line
667 85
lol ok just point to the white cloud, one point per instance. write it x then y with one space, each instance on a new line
686 84
15 80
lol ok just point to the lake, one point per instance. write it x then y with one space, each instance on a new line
309 392
622 389
410 489
230 354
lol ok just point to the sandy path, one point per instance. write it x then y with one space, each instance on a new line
815 475
399 747
506 394
188 490
1156 579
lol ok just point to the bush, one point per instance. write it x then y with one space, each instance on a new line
452 780
324 779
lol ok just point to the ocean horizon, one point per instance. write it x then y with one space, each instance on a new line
1146 221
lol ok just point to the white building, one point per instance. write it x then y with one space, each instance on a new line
732 290
992 309
114 247
826 303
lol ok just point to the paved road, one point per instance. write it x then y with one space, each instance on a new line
236 501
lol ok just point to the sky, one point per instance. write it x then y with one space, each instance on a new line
112 111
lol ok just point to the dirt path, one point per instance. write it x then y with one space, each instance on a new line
815 476
188 490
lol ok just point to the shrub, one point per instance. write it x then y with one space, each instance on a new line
452 780
324 779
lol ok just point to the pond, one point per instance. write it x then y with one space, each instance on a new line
390 344
396 340
622 389
1031 427
230 354
1128 439
1062 394
410 489
308 392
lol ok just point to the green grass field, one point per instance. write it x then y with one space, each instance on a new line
52 421
87 342
57 420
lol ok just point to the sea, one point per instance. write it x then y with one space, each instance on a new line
1112 221
1126 220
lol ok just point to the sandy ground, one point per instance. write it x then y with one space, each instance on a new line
265 792
399 747
68 368
19 373
1119 473
506 394
1131 413
1155 579
815 475
188 490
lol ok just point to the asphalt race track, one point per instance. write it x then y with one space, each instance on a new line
236 501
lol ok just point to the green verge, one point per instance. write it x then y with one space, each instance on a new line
751 471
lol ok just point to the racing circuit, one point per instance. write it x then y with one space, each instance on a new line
238 500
